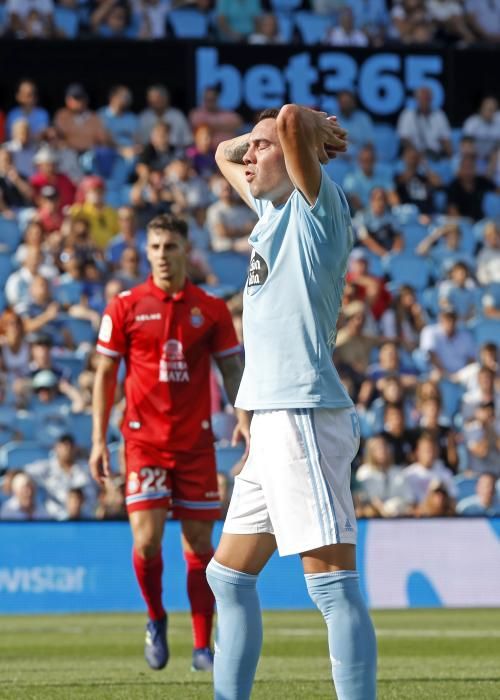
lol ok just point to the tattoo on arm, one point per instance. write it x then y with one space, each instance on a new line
232 370
234 152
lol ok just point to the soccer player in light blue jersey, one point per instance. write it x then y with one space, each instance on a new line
293 493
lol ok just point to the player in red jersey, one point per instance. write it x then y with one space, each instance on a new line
167 330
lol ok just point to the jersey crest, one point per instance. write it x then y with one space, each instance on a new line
257 273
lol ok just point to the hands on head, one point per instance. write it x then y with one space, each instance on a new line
334 138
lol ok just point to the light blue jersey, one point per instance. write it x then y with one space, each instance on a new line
292 300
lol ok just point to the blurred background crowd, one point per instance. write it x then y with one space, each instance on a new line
417 340
329 22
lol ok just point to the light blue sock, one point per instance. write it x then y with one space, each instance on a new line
239 631
351 638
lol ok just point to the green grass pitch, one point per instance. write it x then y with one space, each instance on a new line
427 654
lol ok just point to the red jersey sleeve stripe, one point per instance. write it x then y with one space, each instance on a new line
106 351
230 351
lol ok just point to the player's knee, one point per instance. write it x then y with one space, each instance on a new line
147 545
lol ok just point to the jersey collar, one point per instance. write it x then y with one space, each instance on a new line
181 295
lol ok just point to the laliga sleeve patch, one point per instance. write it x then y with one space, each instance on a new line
106 329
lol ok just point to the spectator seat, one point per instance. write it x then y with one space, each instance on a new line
413 235
386 142
81 330
10 235
188 23
491 205
312 27
68 293
80 426
466 486
231 268
223 425
6 267
227 457
67 21
487 331
451 395
406 214
16 455
408 269
71 364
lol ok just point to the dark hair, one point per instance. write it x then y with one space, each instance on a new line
115 89
390 406
270 113
491 347
426 436
168 222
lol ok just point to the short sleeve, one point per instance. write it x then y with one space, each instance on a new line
111 340
224 341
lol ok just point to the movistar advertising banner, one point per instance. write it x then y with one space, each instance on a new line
84 567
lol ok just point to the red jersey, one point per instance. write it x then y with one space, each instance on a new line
65 188
167 343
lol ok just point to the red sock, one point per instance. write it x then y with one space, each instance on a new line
148 573
200 596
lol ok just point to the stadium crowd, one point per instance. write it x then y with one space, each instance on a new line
328 22
417 342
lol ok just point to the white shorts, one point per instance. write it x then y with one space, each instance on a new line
296 481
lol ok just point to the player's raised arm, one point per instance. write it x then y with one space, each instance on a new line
229 158
308 138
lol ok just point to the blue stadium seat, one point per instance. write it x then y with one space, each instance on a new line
478 229
487 331
72 364
188 23
465 486
456 135
406 214
7 434
285 5
10 235
491 205
413 235
451 395
223 291
312 27
16 455
409 269
26 423
430 301
67 20
115 457
6 267
231 268
81 330
375 263
80 426
492 290
227 457
223 425
50 424
444 169
386 142
68 293
337 169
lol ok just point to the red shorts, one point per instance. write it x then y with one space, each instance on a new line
184 483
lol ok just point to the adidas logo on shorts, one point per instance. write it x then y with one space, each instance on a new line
348 527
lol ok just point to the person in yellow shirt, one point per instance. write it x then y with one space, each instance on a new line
102 219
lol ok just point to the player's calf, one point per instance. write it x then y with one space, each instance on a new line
351 638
